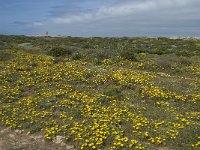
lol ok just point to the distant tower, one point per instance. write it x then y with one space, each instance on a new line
46 33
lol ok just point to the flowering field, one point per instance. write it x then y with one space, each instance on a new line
102 102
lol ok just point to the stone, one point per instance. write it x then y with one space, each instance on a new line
68 147
19 131
11 135
59 139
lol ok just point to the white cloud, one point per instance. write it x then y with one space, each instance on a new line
37 23
146 16
121 9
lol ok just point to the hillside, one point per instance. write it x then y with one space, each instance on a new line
102 93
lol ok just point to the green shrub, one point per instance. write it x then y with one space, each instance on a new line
77 55
113 90
59 51
4 56
35 128
102 54
2 45
185 60
129 54
157 51
104 100
184 53
97 61
166 61
142 56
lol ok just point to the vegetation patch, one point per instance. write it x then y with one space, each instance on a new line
137 93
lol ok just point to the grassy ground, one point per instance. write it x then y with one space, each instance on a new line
103 93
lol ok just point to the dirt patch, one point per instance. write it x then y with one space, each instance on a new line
19 140
26 45
164 148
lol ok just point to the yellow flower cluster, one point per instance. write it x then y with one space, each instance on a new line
68 98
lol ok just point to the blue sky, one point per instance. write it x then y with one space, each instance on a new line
101 17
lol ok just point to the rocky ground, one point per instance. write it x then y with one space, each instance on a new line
19 140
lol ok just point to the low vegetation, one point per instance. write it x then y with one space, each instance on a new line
103 93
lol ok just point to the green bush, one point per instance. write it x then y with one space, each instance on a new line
77 56
2 45
104 100
113 90
184 53
157 51
129 54
4 56
59 51
97 61
185 60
